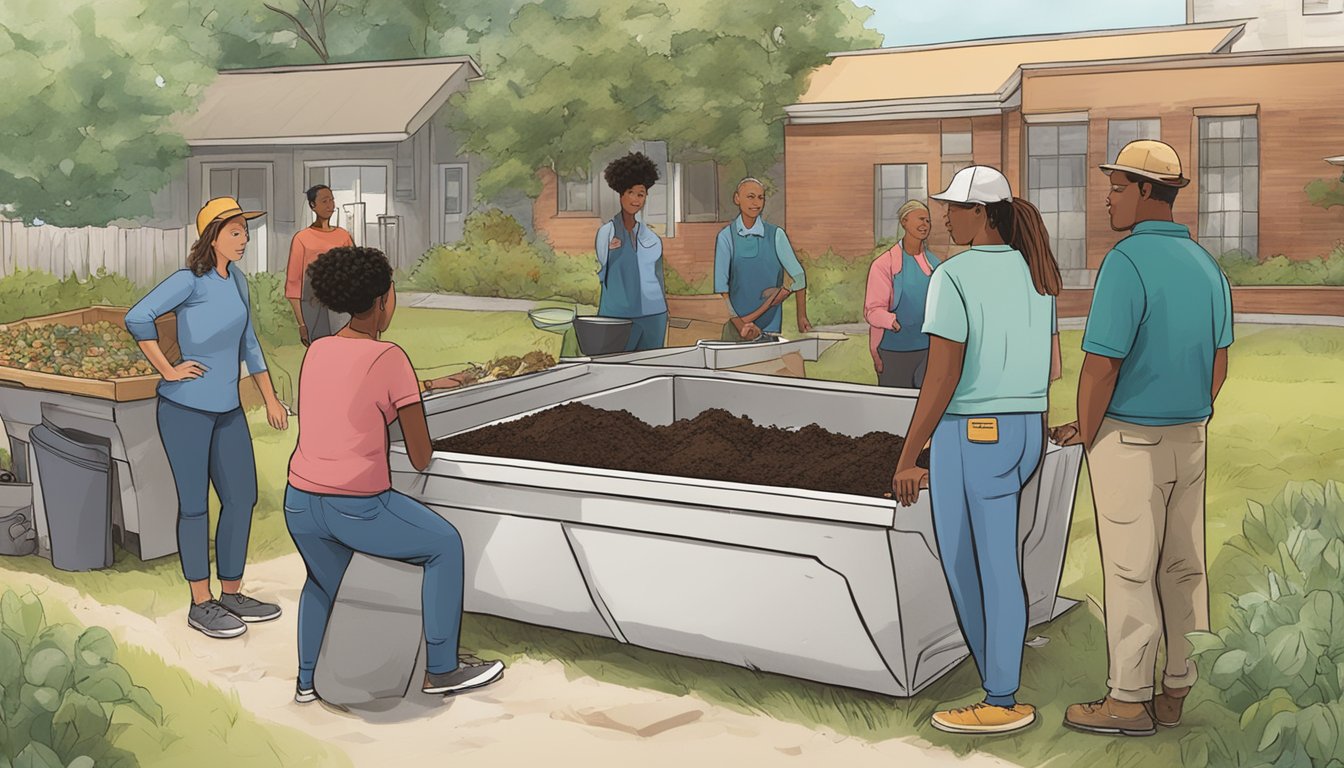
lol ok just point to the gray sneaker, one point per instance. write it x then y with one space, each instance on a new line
214 620
304 695
249 609
465 677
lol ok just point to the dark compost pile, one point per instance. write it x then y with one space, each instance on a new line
714 445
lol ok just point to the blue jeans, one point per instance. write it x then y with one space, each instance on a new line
649 332
205 448
974 488
328 530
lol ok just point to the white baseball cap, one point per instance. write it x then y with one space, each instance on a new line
976 184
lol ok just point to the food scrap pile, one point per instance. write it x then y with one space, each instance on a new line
509 366
101 350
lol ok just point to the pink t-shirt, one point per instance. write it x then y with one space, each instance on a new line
349 392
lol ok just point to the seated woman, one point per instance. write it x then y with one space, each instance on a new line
340 499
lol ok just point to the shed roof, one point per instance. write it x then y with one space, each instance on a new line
360 102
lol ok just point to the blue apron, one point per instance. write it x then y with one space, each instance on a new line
753 269
909 293
621 295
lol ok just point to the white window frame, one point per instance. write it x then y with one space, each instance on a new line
562 196
1040 197
680 189
1110 132
1322 7
878 191
1213 194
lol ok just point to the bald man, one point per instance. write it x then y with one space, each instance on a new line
751 259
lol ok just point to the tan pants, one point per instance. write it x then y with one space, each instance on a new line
1148 485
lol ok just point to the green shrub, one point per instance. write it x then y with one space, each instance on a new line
32 293
677 285
836 286
495 259
1242 269
272 314
61 691
1278 665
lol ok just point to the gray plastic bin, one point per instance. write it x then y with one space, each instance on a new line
76 481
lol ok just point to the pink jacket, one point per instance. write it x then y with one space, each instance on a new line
877 299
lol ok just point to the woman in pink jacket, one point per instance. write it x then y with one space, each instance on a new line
898 287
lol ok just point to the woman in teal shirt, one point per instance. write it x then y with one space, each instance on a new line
989 318
630 257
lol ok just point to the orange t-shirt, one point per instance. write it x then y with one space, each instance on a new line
306 246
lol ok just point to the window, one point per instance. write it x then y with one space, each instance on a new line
453 176
1229 184
893 185
957 144
1121 132
1319 7
1057 185
576 193
699 191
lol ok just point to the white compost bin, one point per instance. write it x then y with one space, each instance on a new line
829 587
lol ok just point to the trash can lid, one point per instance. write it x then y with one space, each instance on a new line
58 441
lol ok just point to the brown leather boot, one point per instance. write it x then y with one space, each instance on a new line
1111 717
1167 706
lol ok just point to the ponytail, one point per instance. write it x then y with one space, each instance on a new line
1020 225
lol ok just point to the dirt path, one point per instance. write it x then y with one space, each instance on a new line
535 715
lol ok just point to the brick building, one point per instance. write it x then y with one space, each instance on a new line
1253 128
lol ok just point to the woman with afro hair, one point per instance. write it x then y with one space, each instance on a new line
339 500
630 257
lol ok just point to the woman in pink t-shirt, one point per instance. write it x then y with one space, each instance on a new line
315 321
340 500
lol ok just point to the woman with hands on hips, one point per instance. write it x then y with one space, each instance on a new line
200 416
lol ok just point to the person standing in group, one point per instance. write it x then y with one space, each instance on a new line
751 258
314 320
898 289
989 319
340 500
200 416
630 257
1156 357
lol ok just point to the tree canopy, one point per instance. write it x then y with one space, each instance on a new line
567 77
93 86
90 89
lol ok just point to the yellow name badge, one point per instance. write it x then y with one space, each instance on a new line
982 430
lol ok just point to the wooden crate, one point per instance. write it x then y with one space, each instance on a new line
119 390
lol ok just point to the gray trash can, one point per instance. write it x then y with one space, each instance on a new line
17 535
75 477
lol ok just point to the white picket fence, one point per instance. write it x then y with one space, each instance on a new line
143 255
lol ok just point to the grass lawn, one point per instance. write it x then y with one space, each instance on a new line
1277 420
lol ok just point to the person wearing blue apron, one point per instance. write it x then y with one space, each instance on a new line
630 257
894 303
751 259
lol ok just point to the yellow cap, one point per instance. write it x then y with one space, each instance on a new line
1150 159
221 208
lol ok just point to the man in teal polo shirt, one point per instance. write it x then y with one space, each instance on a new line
1156 343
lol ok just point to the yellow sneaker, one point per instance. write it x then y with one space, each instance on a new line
985 718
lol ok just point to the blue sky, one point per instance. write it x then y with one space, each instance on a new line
915 22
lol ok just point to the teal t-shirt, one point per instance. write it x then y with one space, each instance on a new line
1163 306
985 299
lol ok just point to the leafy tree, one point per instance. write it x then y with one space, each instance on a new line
573 76
90 89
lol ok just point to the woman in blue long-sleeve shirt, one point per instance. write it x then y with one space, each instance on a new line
200 417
